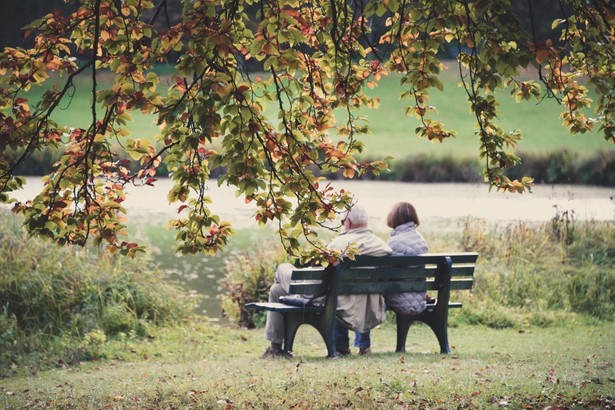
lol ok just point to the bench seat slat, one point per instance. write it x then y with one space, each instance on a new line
354 287
382 287
403 272
462 270
458 257
281 307
399 273
451 305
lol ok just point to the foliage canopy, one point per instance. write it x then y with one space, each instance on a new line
317 58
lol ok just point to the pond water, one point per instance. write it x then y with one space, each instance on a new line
440 207
433 202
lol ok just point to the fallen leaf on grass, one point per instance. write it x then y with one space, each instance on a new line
551 376
228 404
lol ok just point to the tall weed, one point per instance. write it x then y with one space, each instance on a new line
51 293
248 278
563 266
527 274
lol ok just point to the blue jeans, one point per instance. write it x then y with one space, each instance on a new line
342 339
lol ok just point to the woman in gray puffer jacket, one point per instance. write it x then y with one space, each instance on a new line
405 240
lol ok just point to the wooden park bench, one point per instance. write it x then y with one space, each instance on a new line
442 273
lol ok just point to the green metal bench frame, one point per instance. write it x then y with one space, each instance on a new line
377 274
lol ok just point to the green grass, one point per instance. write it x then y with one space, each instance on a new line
74 110
205 367
392 131
550 351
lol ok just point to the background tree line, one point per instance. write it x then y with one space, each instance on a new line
15 14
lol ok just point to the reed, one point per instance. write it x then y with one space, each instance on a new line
75 298
527 273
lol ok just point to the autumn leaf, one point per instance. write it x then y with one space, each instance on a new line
269 132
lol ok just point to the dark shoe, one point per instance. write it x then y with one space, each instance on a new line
364 351
276 353
343 351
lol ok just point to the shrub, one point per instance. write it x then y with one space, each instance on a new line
599 169
557 167
565 167
41 162
9 330
248 279
561 265
424 168
527 274
49 292
497 316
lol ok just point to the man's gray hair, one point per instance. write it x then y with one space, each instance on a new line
357 215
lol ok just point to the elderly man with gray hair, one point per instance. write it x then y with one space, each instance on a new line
356 312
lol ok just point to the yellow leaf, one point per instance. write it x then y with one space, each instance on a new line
138 77
349 172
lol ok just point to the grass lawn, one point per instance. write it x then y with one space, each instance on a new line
206 366
392 132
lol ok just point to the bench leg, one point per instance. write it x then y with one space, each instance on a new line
330 342
292 321
403 326
442 336
291 325
326 328
437 323
440 329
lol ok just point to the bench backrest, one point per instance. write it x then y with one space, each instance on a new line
387 274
